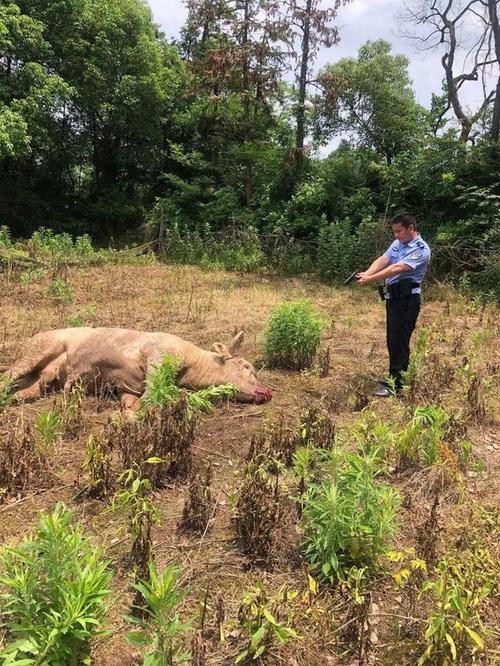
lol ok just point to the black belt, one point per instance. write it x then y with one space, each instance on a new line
397 290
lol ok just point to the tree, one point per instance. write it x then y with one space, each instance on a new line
237 52
313 27
495 27
460 26
371 99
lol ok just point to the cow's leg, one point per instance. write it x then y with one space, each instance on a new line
37 354
33 392
34 385
129 406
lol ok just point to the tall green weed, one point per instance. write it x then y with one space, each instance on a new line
52 589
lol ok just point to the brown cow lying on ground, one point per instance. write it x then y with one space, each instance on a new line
122 359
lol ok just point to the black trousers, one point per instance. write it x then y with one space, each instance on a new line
402 314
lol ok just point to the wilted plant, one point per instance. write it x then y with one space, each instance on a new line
199 506
258 511
454 628
277 443
98 465
47 428
165 434
22 463
293 335
53 586
135 497
323 362
315 429
347 516
69 407
267 620
160 627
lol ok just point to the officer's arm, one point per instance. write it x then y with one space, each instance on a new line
389 271
378 265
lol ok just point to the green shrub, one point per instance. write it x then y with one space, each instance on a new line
52 588
347 516
160 631
293 335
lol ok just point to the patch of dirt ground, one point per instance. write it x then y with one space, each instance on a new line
206 307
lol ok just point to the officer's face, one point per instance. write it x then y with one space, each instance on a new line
402 234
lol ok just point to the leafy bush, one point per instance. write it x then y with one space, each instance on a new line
293 335
53 587
347 516
159 632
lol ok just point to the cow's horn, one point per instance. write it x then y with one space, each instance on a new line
235 343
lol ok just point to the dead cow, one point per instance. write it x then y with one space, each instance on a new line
122 359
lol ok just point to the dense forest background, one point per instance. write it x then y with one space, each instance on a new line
210 143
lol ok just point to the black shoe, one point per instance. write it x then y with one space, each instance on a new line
383 392
383 381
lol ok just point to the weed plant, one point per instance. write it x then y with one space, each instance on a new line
53 586
258 511
135 498
267 620
293 335
160 630
69 406
199 506
161 389
347 516
164 434
23 464
47 428
6 394
98 465
455 631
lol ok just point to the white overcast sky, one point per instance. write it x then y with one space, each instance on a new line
358 22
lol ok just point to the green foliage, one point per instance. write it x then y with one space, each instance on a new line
60 290
53 586
267 620
6 394
293 335
160 631
419 443
47 427
371 97
347 515
161 389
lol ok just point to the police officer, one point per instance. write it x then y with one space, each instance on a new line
402 269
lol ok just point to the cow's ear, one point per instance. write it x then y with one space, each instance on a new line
235 344
222 350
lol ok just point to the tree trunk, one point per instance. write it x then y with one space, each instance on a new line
495 122
246 105
301 132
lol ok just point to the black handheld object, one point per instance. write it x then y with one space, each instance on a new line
351 278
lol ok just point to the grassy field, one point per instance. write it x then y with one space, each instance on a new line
448 509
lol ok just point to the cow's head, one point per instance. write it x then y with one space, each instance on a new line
234 369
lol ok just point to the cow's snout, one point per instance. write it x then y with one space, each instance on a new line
263 394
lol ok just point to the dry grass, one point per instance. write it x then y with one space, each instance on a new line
204 308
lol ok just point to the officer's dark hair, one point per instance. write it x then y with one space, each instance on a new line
405 220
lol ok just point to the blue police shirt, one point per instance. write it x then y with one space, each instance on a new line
415 254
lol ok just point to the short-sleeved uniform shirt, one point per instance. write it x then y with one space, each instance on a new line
415 254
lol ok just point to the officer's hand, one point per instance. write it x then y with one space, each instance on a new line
363 278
